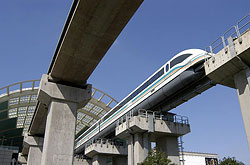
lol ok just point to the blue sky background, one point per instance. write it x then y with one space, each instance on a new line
29 31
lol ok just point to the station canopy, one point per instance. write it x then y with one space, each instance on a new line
18 102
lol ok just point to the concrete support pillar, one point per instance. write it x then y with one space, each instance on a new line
101 159
35 155
138 148
34 145
22 159
60 133
62 102
146 144
242 84
169 145
130 142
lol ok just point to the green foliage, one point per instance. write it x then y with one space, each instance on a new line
155 157
230 161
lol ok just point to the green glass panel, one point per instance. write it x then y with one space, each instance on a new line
4 115
8 124
3 106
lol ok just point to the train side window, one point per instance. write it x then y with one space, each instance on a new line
167 68
179 59
145 85
156 76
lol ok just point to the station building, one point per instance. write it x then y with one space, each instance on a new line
197 158
17 107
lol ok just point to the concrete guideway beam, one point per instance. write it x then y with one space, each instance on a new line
62 102
91 28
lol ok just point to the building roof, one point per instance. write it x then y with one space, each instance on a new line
17 106
211 155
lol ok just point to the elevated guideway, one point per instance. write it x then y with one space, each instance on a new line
90 29
229 66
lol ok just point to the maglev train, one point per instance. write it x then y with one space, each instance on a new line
178 72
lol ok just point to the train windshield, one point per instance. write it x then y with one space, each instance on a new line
179 59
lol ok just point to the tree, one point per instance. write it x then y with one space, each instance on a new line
230 161
155 157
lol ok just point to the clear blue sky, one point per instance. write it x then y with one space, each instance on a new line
29 31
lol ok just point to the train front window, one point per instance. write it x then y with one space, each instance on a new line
179 59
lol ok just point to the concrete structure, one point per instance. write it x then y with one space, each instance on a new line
90 30
22 159
196 158
33 147
138 132
147 127
104 151
230 67
62 102
105 146
169 145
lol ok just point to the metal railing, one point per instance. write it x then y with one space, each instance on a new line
104 141
19 87
234 32
103 95
166 117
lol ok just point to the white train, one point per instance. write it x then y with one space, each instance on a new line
171 77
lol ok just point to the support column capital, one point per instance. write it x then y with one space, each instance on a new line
34 146
33 140
53 91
